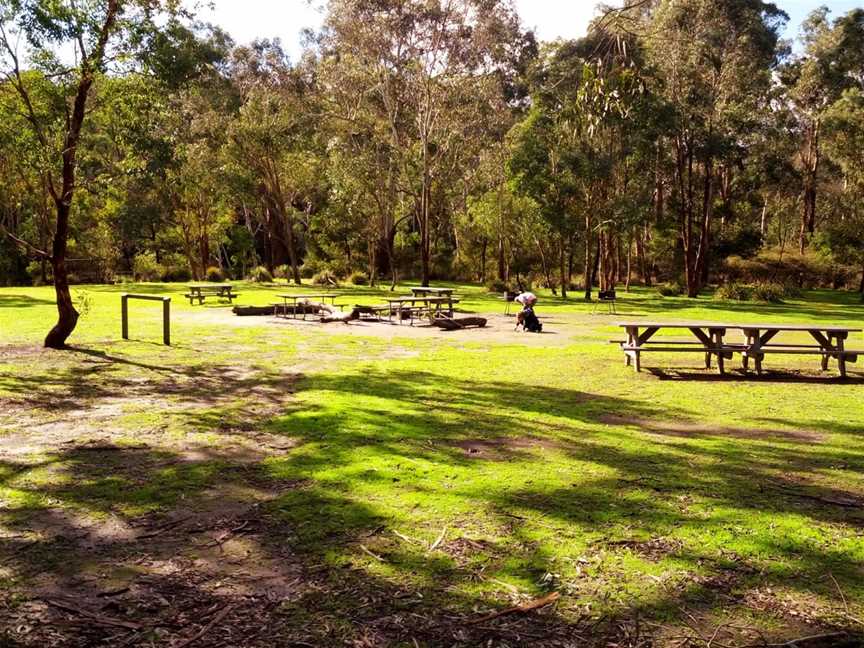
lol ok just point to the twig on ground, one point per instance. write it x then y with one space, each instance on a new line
216 619
167 526
803 641
840 592
374 555
93 617
524 607
440 539
405 538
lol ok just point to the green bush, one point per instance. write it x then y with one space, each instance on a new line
176 274
497 286
283 272
670 289
260 275
358 278
325 278
145 267
734 291
771 293
311 267
215 274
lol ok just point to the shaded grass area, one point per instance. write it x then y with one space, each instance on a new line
327 490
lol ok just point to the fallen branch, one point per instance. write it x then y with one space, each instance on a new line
815 639
524 607
164 527
374 555
216 619
94 618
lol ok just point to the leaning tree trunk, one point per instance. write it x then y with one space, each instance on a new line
67 315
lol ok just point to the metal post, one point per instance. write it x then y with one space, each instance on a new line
125 315
166 321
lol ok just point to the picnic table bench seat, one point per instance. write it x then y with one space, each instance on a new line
759 342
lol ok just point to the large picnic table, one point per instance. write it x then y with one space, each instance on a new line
295 298
412 306
200 292
759 340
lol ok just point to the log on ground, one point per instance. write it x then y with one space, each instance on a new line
458 324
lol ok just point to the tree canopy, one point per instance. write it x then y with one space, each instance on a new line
681 142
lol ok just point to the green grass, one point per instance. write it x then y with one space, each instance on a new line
546 468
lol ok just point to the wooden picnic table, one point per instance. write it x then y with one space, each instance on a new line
295 298
424 291
202 291
759 340
434 305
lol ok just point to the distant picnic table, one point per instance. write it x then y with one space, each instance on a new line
200 292
418 306
425 291
759 341
295 300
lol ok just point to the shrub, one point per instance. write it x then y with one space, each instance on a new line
176 274
325 278
146 268
497 286
771 293
670 289
283 272
311 267
214 274
734 291
260 275
358 278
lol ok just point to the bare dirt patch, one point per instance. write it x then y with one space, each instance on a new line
502 448
499 330
689 430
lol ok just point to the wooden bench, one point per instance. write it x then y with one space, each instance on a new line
220 291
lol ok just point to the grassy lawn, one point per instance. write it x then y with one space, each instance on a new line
271 483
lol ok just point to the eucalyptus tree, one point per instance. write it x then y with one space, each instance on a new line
832 62
98 32
276 138
844 125
421 73
713 63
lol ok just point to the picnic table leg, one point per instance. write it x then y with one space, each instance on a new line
721 359
825 356
632 336
841 356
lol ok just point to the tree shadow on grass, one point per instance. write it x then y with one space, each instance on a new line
315 523
23 301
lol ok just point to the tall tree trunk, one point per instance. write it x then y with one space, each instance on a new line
861 287
812 159
290 240
593 279
502 264
562 264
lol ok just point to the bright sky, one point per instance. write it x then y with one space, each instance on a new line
246 20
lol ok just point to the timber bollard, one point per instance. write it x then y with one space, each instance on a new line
166 314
